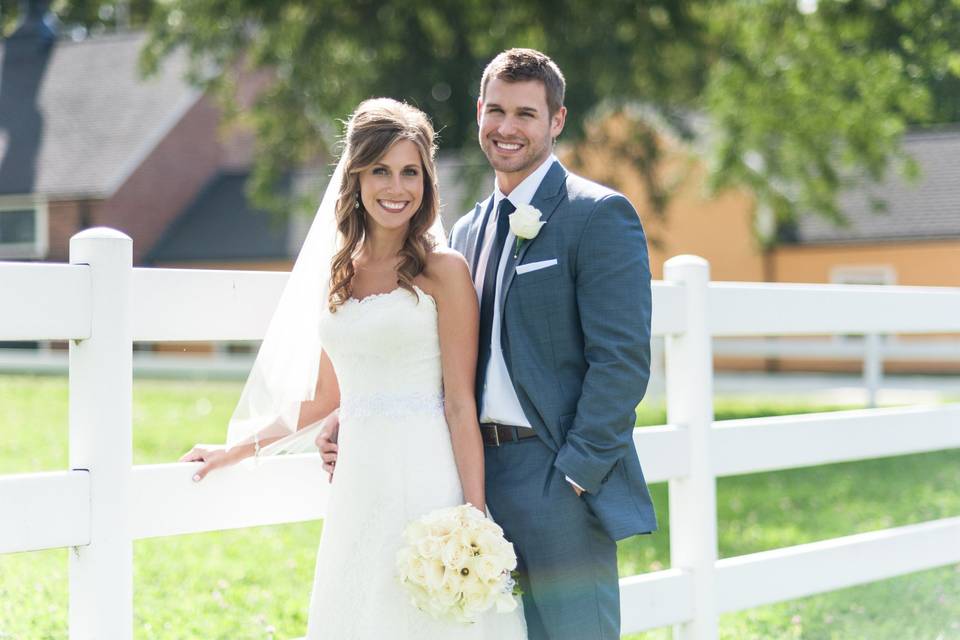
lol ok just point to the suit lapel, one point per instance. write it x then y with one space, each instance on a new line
548 196
475 233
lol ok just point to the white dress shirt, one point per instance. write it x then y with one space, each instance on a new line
499 402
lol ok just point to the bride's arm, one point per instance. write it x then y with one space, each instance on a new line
458 324
326 401
326 398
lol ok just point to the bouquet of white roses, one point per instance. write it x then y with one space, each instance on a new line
457 564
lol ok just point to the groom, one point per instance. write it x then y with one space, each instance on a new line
564 356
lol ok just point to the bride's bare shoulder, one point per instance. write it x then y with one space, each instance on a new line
442 260
446 271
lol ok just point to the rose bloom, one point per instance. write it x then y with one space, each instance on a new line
477 597
454 553
430 546
487 567
433 577
525 222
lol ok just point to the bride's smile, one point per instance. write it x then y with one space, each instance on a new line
390 205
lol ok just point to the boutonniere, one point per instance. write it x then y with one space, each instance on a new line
525 223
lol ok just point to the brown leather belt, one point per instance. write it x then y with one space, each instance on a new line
494 434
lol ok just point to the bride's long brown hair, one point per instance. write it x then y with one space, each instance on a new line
372 130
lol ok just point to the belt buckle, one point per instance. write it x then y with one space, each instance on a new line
496 435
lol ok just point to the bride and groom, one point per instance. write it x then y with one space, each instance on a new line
503 371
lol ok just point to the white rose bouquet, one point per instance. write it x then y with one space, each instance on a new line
457 564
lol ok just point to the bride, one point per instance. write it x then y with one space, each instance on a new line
376 328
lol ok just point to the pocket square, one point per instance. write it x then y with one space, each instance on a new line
535 266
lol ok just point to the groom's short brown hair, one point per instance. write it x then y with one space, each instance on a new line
519 65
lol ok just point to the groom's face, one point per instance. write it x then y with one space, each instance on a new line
516 128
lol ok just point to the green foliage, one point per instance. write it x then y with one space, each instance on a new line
326 57
91 16
796 102
802 104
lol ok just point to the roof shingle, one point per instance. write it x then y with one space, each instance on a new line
76 121
926 210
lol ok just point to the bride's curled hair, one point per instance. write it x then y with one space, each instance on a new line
372 130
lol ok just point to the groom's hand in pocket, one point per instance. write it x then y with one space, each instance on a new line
327 444
576 488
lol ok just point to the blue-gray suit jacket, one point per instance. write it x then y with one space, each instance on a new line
576 338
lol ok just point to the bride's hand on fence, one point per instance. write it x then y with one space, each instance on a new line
327 443
211 457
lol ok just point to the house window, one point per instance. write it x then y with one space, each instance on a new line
872 274
23 229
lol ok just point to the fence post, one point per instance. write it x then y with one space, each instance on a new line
101 441
872 367
656 387
693 498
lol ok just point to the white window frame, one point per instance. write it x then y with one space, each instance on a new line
863 274
41 241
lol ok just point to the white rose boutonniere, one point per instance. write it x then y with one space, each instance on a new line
525 223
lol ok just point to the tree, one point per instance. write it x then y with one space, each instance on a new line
798 96
328 56
79 18
800 103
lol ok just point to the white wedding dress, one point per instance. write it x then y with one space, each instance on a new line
395 464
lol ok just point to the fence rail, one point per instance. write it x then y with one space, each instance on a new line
929 350
104 503
49 300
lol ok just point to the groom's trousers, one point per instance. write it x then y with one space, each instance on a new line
567 562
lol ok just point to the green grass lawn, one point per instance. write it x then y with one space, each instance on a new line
255 583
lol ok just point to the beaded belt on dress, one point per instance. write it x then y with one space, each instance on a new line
390 405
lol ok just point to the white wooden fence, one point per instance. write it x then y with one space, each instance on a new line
871 349
103 503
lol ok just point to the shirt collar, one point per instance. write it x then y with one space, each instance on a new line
523 193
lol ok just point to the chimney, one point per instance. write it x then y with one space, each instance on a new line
37 26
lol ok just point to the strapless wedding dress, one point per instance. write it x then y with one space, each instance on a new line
395 464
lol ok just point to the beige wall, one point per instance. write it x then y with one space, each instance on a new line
718 228
933 263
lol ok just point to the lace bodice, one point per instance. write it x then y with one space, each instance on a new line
385 350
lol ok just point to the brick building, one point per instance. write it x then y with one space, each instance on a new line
84 141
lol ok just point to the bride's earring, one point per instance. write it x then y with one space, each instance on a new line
356 203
